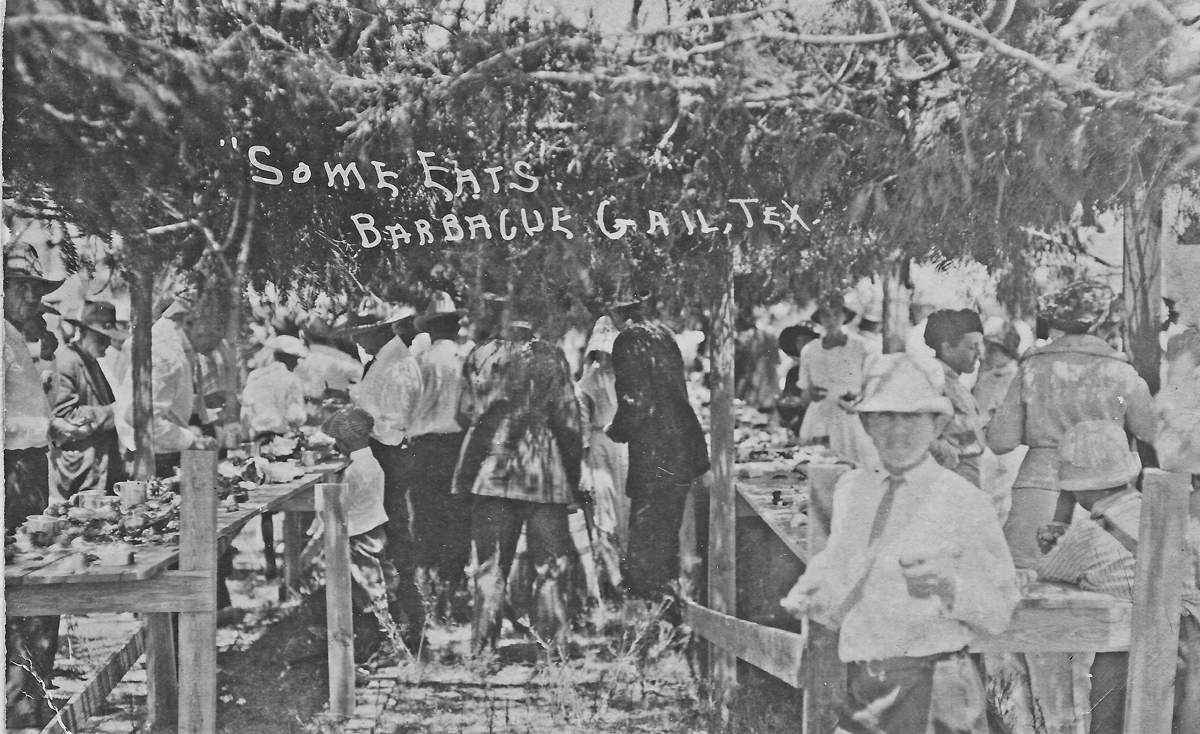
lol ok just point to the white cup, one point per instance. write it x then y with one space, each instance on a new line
131 493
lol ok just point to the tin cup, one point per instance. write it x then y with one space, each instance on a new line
92 499
308 457
132 493
45 524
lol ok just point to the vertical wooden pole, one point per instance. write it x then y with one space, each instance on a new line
293 544
722 536
162 685
1157 594
823 673
141 312
198 630
1142 227
338 622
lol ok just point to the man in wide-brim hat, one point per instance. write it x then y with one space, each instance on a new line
915 566
31 641
86 453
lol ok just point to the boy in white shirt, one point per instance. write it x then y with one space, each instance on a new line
916 562
371 568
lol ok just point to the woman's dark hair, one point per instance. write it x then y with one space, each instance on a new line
948 326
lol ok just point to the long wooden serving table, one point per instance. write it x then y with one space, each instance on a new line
167 579
783 519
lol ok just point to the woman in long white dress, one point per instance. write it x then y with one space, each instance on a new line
831 372
606 462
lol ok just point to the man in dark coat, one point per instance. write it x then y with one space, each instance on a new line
85 453
667 451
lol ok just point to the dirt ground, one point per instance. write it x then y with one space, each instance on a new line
629 675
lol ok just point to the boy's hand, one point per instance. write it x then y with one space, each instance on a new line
816 394
801 600
1048 535
929 576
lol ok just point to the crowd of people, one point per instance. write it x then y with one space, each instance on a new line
488 480
970 492
502 476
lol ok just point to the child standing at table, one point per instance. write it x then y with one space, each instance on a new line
374 576
1098 553
915 566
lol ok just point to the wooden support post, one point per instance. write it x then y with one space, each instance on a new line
293 545
1158 588
339 623
198 630
823 673
722 512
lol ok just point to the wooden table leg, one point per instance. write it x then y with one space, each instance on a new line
198 630
162 686
293 544
339 622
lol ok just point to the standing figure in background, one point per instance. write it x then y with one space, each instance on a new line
755 363
441 521
1076 377
273 399
830 375
956 338
388 390
667 452
606 462
1178 442
793 402
30 642
521 462
85 453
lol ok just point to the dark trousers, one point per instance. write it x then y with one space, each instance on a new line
441 520
31 643
889 696
1109 672
396 462
655 514
496 524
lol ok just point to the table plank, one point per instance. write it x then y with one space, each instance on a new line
57 567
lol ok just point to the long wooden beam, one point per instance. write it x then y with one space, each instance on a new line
775 651
91 699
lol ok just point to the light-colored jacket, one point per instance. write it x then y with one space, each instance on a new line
1075 378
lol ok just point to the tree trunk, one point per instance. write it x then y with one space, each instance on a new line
1142 226
141 311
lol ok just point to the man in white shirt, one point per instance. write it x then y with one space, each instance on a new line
915 565
273 399
30 642
441 521
388 392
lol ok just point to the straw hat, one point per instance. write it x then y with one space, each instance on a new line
441 306
626 297
901 383
350 425
21 263
1084 303
100 317
286 345
603 336
1095 455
